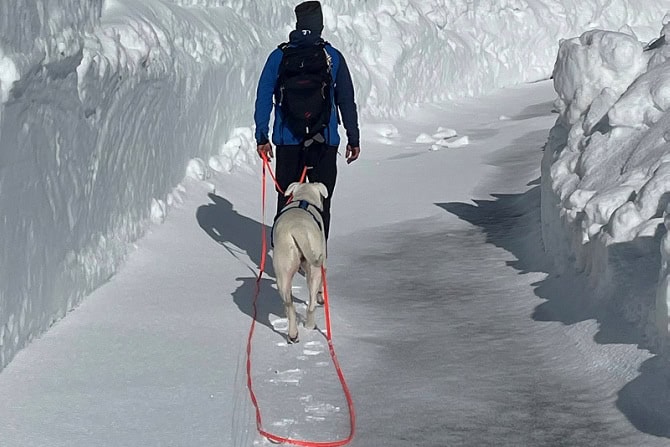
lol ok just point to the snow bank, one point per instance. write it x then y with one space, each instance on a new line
413 51
96 132
606 171
104 105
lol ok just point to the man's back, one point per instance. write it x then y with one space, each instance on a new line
305 131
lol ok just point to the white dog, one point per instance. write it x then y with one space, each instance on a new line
299 239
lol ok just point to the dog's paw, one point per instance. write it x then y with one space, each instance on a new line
292 340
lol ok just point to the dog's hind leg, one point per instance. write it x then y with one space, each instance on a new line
314 281
284 286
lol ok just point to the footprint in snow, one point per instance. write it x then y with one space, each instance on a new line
291 376
279 324
313 348
319 411
284 423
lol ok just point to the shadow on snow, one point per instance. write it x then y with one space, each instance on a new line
241 237
237 233
512 222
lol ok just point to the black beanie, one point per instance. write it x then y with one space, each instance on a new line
309 16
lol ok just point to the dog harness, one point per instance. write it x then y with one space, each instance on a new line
303 205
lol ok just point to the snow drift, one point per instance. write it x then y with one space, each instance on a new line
606 172
104 105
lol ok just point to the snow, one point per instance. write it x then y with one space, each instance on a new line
432 325
605 173
115 99
112 112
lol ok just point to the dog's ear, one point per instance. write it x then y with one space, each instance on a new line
322 189
291 188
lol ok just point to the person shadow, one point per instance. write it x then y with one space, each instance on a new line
240 236
236 233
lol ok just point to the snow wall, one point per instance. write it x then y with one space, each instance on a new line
606 173
105 106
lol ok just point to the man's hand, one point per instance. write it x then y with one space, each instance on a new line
352 153
265 149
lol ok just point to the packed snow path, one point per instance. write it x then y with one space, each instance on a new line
448 323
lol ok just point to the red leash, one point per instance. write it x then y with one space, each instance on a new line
259 423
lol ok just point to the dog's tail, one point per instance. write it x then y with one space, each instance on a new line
312 247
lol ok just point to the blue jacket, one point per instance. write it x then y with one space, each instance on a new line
342 95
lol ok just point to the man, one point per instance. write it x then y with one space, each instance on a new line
295 151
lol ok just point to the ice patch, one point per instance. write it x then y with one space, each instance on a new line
424 138
459 142
450 143
444 132
385 130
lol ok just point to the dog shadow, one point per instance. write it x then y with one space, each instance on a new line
237 233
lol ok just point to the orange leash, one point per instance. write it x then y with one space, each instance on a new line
345 388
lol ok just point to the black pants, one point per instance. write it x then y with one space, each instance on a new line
321 162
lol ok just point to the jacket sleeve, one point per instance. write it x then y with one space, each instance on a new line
264 96
346 102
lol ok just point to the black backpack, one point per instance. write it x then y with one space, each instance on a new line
303 89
